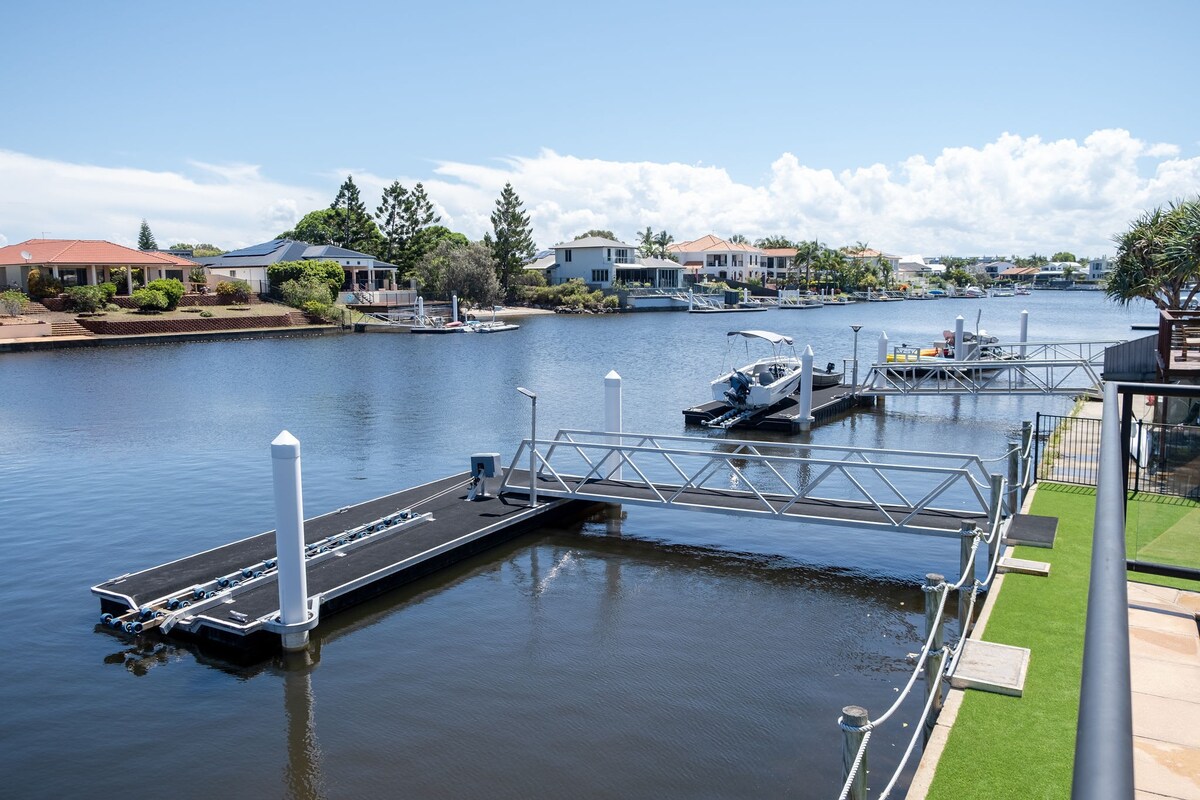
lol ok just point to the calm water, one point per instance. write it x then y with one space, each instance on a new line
660 655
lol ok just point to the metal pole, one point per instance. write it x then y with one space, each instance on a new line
995 502
612 414
1026 461
854 380
1024 337
806 386
533 454
934 586
454 306
289 538
1014 479
1104 735
881 354
854 716
960 347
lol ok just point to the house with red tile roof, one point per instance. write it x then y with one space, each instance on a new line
85 262
719 259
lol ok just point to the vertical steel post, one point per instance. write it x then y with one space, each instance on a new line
1012 496
960 347
612 417
1024 337
454 306
289 538
996 501
805 416
1026 462
881 354
854 716
934 633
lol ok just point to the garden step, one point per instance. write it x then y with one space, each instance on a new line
69 328
297 318
34 307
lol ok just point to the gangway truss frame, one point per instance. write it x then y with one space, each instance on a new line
596 466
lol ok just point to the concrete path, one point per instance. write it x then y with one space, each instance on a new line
1164 655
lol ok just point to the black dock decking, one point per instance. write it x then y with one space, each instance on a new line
785 415
378 562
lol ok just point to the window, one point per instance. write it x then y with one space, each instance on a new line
609 257
599 275
567 256
233 274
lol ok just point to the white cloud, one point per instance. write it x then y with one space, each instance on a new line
1014 195
231 204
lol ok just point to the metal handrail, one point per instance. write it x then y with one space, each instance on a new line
694 465
1104 734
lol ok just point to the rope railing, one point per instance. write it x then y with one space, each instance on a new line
938 661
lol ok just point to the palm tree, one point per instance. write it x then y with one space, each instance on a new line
662 242
808 252
646 242
1158 258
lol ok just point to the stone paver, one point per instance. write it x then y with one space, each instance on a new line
1164 660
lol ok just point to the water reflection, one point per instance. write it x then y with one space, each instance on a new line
302 773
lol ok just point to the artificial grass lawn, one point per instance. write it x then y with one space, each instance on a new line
1023 747
1164 530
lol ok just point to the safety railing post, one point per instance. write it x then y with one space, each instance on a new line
854 717
1026 462
966 537
934 629
1014 479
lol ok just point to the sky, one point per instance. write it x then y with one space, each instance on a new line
925 127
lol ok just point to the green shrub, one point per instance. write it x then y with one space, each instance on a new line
307 289
110 290
236 291
118 276
150 300
206 313
41 286
171 287
325 312
611 302
111 307
13 302
328 272
197 275
85 298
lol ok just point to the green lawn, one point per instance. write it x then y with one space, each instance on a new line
1010 747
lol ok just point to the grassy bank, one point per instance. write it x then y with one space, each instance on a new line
1010 747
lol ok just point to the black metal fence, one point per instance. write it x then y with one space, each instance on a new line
1163 458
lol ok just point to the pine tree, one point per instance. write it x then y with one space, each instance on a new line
512 239
146 238
403 217
353 227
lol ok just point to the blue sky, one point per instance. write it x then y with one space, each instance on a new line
278 101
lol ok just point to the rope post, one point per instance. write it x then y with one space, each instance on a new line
856 717
966 537
1012 500
934 630
996 499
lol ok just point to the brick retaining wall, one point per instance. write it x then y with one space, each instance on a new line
124 301
201 325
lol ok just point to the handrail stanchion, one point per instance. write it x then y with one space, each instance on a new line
934 633
854 717
1104 735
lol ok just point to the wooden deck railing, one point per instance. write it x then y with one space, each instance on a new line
1178 339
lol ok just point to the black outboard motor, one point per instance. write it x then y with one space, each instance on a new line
739 388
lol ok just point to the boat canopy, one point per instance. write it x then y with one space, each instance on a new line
773 338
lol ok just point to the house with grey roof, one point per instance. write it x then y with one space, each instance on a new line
250 263
601 262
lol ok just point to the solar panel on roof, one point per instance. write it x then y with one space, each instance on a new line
266 248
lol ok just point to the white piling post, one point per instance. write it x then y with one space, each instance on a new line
1024 337
612 413
806 386
289 538
454 306
881 355
691 300
960 347
420 309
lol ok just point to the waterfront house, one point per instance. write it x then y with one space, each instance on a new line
994 269
250 263
1098 268
777 264
85 262
719 259
870 257
601 262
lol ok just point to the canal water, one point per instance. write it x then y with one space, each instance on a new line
658 654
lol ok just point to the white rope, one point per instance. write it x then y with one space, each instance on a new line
920 726
858 759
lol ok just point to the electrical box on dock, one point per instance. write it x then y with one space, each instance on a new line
486 465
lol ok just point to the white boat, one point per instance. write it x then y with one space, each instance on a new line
493 326
1003 293
838 300
973 291
1023 292
762 383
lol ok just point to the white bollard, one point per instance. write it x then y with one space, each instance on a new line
454 307
1024 337
960 347
881 357
420 309
691 300
806 386
289 538
612 413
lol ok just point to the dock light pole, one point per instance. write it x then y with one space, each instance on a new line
532 446
854 382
